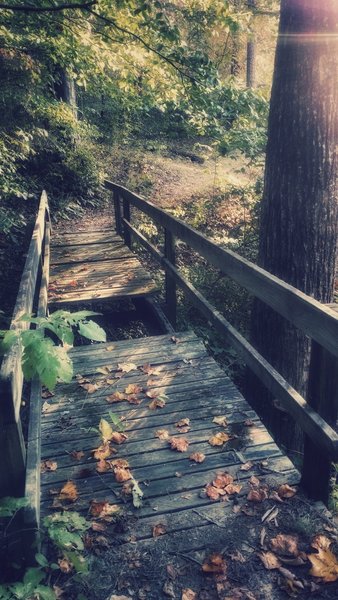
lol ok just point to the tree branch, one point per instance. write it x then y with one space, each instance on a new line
29 8
144 43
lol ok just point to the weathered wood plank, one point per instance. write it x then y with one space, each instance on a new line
89 253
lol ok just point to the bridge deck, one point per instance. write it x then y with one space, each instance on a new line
193 386
94 265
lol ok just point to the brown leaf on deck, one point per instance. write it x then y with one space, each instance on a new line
133 388
183 422
286 491
102 509
179 444
122 474
162 434
157 403
48 465
68 492
77 454
219 439
285 544
197 457
188 594
220 420
126 367
116 397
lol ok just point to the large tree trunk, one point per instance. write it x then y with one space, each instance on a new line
298 236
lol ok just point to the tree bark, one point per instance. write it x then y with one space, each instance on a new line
251 53
65 89
298 234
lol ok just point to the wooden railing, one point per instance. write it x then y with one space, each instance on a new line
317 417
32 295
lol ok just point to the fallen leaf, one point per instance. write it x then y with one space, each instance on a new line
159 529
103 451
212 492
120 463
257 495
65 565
98 526
246 466
240 594
254 481
68 492
77 454
110 381
179 444
174 340
118 438
126 367
116 397
157 403
132 388
152 393
183 429
168 589
286 491
149 370
104 370
109 348
324 562
132 399
162 434
285 544
222 479
114 597
249 423
46 393
90 387
269 560
103 466
122 474
219 439
183 422
220 420
102 508
48 465
215 563
197 457
106 430
233 488
188 594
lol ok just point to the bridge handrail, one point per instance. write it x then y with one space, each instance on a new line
316 417
12 447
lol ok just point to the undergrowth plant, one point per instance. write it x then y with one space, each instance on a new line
44 348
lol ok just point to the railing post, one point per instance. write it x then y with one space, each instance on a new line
126 215
117 210
317 469
170 284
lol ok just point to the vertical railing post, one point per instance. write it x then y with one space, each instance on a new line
117 210
126 215
170 284
317 469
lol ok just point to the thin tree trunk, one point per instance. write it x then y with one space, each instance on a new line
250 63
298 237
65 89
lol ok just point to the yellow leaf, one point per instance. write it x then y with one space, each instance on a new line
219 439
106 430
324 565
221 420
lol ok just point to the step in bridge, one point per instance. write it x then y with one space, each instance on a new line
182 420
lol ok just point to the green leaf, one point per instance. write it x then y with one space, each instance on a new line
79 562
92 331
41 559
9 505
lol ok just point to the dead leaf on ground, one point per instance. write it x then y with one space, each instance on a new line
285 544
65 565
324 562
159 529
197 457
257 495
77 454
221 420
104 370
240 594
183 422
157 403
162 434
152 393
102 509
149 370
48 465
116 397
133 388
254 481
126 367
215 563
118 438
168 589
179 444
120 463
249 423
106 430
68 492
222 479
133 399
103 451
103 466
98 526
188 594
269 560
219 439
122 474
286 491
246 466
90 387
214 493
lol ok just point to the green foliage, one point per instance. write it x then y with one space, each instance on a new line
9 505
41 357
29 587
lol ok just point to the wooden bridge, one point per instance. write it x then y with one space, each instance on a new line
161 380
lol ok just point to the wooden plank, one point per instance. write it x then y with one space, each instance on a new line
315 319
170 283
87 238
110 266
102 293
89 253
